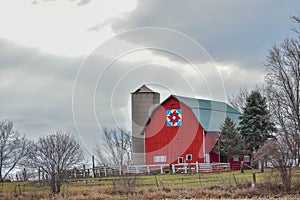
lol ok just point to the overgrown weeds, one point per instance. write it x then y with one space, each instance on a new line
215 192
230 185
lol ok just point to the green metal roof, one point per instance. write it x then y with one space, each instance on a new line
210 114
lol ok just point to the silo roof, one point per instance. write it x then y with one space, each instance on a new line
143 89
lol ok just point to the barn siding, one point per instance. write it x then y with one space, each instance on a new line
174 142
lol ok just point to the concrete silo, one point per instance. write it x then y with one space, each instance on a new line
141 102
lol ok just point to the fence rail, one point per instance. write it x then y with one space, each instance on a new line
103 171
151 169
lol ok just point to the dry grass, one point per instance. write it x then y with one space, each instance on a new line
260 192
230 185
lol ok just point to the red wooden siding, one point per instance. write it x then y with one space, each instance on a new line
236 165
211 140
173 142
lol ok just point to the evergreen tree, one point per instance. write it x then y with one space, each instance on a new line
231 141
255 125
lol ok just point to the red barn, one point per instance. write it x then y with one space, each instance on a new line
183 130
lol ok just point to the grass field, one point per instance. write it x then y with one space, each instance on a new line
178 186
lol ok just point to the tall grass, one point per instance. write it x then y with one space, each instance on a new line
178 186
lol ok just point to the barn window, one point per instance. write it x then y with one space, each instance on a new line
246 158
158 159
189 157
236 158
180 159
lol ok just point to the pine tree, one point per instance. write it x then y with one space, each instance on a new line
231 141
255 123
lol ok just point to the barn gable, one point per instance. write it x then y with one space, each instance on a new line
176 143
210 114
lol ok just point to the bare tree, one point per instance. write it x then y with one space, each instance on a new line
54 154
13 148
115 149
283 91
296 19
275 151
238 101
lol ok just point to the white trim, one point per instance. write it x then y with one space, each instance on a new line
160 159
236 158
246 158
204 146
187 155
144 147
207 158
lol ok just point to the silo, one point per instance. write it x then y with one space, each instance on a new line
141 102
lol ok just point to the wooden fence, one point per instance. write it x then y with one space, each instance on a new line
100 171
86 171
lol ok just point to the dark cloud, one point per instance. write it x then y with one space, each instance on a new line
18 57
231 31
36 89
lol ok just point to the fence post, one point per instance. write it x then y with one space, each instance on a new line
262 165
75 173
185 168
120 170
83 171
173 169
254 180
39 173
197 167
161 169
136 169
105 172
242 167
93 160
24 174
148 169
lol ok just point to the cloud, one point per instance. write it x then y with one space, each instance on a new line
83 2
232 31
79 2
235 77
64 33
36 88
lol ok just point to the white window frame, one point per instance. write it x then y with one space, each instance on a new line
236 158
189 155
160 159
246 158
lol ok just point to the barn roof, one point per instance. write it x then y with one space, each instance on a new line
210 114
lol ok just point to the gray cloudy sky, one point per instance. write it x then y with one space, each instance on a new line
97 53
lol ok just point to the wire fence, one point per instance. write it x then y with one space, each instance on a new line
136 182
